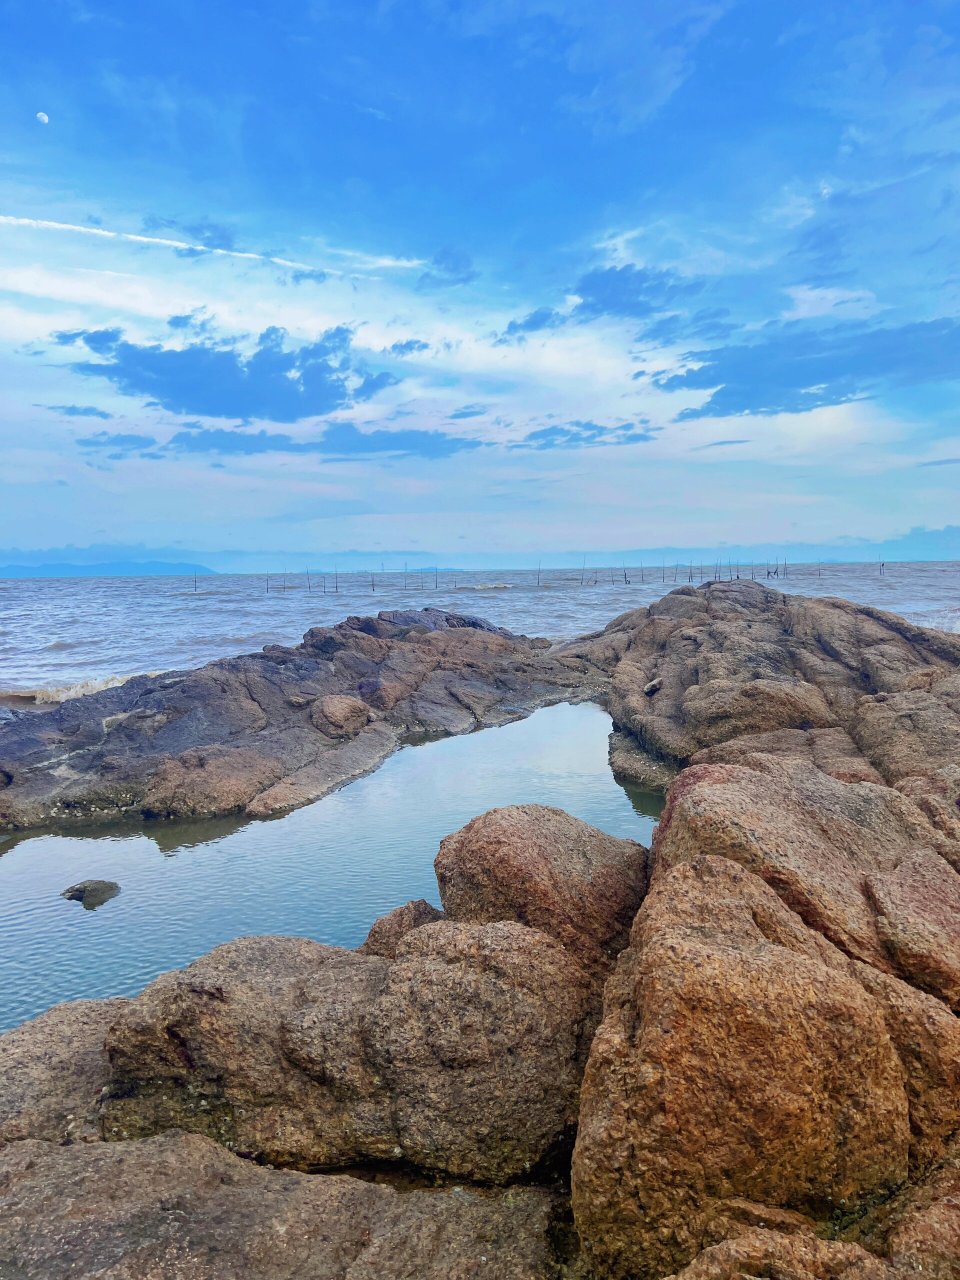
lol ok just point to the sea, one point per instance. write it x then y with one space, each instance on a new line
325 871
62 637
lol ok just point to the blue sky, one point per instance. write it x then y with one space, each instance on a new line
495 276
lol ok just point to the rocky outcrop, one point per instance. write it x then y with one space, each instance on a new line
546 869
463 1055
773 1089
181 1206
52 1071
741 1076
258 734
386 933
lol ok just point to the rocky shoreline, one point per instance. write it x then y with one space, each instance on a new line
734 1054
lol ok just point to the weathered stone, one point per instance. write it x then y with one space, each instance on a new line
739 1070
52 1070
257 734
386 932
860 863
179 1207
919 1231
339 715
546 869
463 1055
785 1257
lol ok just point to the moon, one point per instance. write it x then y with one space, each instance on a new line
43 117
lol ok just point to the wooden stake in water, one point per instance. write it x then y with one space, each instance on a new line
538 575
583 570
309 587
336 580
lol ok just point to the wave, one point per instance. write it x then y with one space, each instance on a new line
488 586
52 695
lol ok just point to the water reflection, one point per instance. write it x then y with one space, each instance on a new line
326 871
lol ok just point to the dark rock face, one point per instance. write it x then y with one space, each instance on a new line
543 868
179 1207
91 893
462 1055
258 734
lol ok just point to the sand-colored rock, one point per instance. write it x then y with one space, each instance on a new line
386 932
52 1070
542 867
179 1207
463 1055
739 1072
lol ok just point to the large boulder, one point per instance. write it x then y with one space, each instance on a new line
179 1206
544 868
52 1070
462 1055
860 863
741 1077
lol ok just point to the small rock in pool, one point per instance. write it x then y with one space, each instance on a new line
91 893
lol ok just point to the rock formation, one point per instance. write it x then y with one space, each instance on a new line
751 1029
269 731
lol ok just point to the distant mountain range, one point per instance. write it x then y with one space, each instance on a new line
106 569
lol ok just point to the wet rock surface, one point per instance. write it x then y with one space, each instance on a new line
91 893
770 1086
269 731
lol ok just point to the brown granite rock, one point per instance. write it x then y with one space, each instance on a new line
386 932
52 1070
772 1254
463 1055
919 1231
708 665
740 1073
859 863
546 869
179 1207
339 715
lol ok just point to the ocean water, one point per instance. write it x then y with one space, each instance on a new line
325 871
67 636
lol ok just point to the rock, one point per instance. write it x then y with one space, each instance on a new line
91 893
740 1074
543 868
797 1257
832 751
52 1070
180 1206
736 660
386 932
919 1231
257 734
339 715
860 863
463 1055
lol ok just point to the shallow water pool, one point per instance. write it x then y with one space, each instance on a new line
325 871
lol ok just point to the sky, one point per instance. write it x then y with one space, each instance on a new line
488 278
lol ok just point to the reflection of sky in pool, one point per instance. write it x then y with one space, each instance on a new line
326 871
